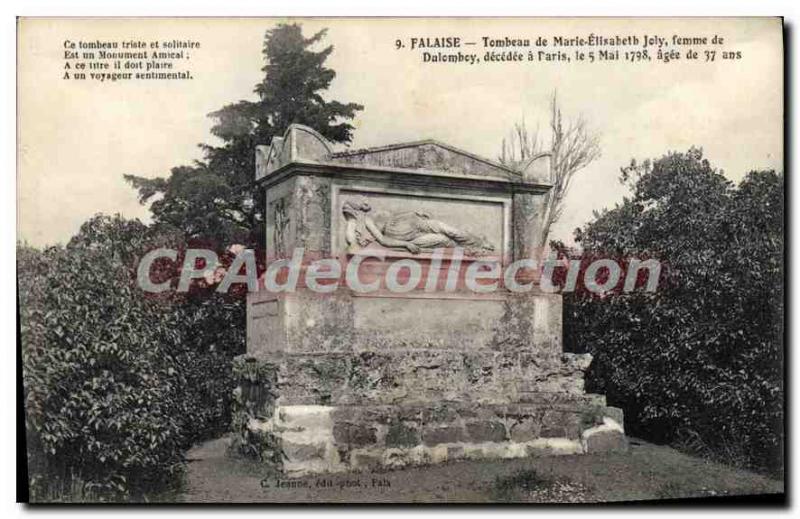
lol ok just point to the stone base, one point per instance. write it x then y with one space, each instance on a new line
325 429
318 439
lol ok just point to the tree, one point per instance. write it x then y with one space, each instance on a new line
215 198
573 146
700 360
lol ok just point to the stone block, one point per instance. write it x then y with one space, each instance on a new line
561 424
525 430
436 435
604 438
442 414
395 458
402 435
354 435
553 431
486 432
615 413
553 447
439 454
305 417
420 455
455 452
361 460
298 452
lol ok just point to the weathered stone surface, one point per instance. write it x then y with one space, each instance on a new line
615 413
530 318
428 154
455 452
303 451
362 460
525 430
394 458
528 219
402 435
606 441
313 217
316 323
298 143
567 401
381 325
437 435
553 447
486 432
437 414
354 434
266 331
553 431
307 417
402 375
607 437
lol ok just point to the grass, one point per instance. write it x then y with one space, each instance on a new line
528 485
646 472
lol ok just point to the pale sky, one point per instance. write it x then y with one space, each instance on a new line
77 139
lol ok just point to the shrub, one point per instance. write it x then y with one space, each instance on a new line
702 357
116 384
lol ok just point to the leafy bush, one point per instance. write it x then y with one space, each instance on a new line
117 384
700 361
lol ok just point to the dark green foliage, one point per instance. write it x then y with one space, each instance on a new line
255 395
215 199
117 384
702 358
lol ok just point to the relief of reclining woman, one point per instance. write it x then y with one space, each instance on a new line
410 230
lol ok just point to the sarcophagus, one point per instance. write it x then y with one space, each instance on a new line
402 322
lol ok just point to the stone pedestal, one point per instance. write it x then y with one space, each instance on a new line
353 379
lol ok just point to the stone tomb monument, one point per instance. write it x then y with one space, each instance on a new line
352 380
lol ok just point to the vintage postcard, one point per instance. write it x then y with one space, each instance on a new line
401 260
